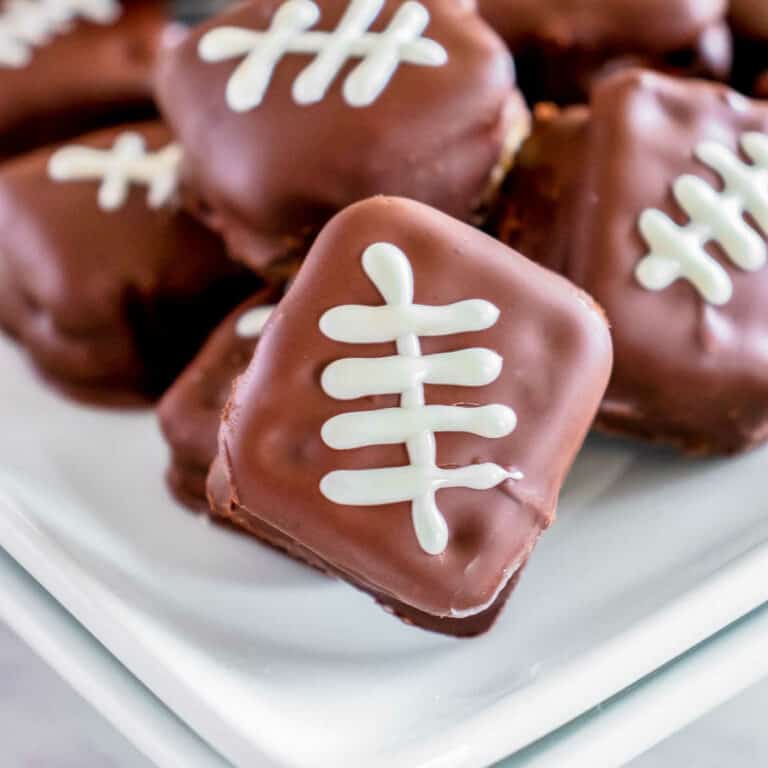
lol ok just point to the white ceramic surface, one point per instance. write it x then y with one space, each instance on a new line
667 701
89 668
274 664
608 735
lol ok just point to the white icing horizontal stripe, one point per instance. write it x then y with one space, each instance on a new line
128 162
26 24
390 426
391 485
356 377
715 216
289 33
414 423
251 324
369 325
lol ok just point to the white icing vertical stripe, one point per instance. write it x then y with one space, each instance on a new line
414 423
27 24
715 216
128 162
289 33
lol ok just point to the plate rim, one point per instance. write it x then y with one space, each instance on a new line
734 590
88 667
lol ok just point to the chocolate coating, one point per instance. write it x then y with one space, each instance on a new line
110 305
562 46
557 355
268 179
749 19
190 411
85 78
470 626
761 87
689 373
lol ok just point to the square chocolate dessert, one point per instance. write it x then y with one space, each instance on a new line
190 411
562 46
655 201
411 411
106 282
70 66
290 110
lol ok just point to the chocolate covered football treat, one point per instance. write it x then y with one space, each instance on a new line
290 110
562 46
408 427
69 66
190 411
655 200
108 285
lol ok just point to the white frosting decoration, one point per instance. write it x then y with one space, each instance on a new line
413 423
251 323
26 24
381 53
128 162
715 216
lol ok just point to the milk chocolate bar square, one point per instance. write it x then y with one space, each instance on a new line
108 285
411 411
290 110
68 67
190 411
655 201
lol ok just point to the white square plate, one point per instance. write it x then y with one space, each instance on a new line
611 734
273 664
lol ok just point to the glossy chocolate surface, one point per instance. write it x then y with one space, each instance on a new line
190 411
557 356
465 627
750 18
562 46
109 304
687 372
269 178
81 79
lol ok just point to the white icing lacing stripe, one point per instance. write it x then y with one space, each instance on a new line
251 323
381 53
128 162
679 252
413 423
27 24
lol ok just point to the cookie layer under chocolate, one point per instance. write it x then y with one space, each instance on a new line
592 186
93 71
555 357
190 411
562 46
109 303
269 176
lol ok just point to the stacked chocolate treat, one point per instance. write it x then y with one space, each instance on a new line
371 266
